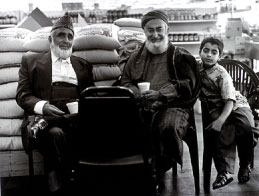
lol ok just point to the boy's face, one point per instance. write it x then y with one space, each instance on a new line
209 54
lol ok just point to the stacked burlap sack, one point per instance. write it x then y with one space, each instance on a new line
98 44
130 40
133 24
11 51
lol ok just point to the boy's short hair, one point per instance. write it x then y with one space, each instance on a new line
213 40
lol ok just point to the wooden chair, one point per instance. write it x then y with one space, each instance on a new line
246 81
113 137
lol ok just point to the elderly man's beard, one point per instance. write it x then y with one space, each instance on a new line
157 47
61 53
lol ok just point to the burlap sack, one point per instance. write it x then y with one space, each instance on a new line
99 56
10 109
8 90
10 57
12 39
38 41
10 127
128 22
87 42
11 143
9 74
106 72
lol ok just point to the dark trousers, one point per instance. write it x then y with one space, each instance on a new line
57 142
238 131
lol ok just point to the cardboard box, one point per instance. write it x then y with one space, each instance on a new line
235 45
233 27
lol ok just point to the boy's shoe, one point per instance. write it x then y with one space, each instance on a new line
222 179
244 174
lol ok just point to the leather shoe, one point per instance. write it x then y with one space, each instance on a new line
159 188
53 181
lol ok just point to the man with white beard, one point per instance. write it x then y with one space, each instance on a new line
47 82
174 86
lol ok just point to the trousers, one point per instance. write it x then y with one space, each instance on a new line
237 132
57 142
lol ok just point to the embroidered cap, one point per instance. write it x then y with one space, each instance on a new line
154 14
64 22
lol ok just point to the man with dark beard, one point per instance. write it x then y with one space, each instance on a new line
47 82
174 85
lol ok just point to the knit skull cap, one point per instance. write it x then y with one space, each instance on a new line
154 14
64 22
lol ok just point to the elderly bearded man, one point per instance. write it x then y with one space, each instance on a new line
174 85
46 83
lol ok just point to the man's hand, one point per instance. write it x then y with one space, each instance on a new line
151 95
51 110
156 105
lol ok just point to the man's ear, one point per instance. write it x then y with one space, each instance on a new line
50 39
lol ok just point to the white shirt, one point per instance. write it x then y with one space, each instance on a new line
62 71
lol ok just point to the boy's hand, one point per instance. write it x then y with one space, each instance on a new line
215 125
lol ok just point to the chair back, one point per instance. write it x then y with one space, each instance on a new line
109 124
244 78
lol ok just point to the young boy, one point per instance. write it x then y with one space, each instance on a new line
226 105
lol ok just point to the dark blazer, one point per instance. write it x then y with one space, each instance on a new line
35 77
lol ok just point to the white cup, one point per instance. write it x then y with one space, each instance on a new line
73 107
143 86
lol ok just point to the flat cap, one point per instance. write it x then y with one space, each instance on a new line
154 14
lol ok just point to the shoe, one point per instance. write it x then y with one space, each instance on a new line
159 188
244 174
222 180
53 181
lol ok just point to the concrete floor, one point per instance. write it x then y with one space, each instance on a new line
181 185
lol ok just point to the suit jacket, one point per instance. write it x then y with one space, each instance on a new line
35 77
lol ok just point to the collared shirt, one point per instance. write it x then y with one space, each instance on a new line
62 71
217 86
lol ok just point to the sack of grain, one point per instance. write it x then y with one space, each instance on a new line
9 74
133 29
10 57
104 83
128 22
106 72
86 42
125 35
108 30
12 39
99 56
10 109
8 90
38 41
10 127
11 143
